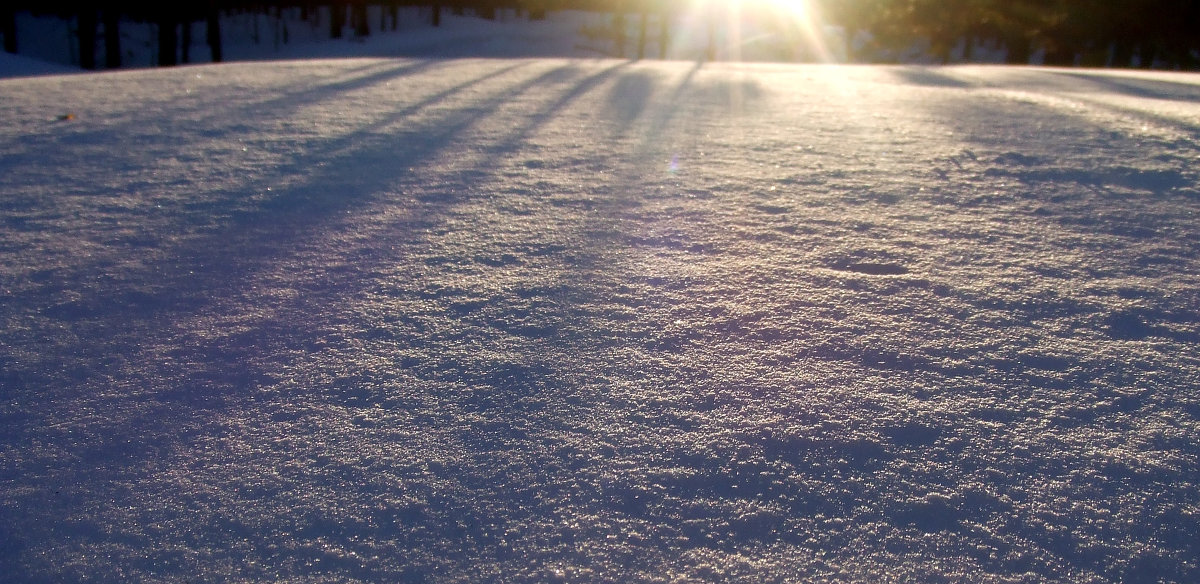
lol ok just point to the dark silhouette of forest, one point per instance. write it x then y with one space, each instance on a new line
1108 33
1117 33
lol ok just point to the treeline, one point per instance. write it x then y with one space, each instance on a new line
1116 33
101 21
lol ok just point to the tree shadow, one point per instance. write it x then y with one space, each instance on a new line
97 332
628 98
927 77
119 344
1133 86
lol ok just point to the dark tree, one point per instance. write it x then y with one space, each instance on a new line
641 42
362 27
485 9
8 27
168 38
619 31
112 37
437 15
185 41
213 35
337 19
87 22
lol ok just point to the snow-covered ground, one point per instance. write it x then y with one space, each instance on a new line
596 321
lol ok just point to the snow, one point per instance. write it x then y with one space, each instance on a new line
538 320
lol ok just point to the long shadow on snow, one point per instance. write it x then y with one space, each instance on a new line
217 264
263 112
214 266
1134 86
928 77
509 401
190 271
513 474
284 105
223 120
630 497
1079 85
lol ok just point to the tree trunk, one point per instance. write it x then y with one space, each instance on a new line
277 32
437 15
710 52
941 50
1061 56
282 25
168 39
1147 53
213 16
87 38
112 38
337 19
185 41
362 27
1188 62
619 32
485 10
664 33
8 27
641 45
1019 51
1122 54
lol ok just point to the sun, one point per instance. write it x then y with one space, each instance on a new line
793 26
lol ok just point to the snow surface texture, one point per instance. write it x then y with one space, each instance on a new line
599 321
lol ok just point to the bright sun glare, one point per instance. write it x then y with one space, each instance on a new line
790 24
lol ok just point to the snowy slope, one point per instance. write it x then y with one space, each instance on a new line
597 321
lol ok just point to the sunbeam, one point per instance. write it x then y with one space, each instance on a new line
736 30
